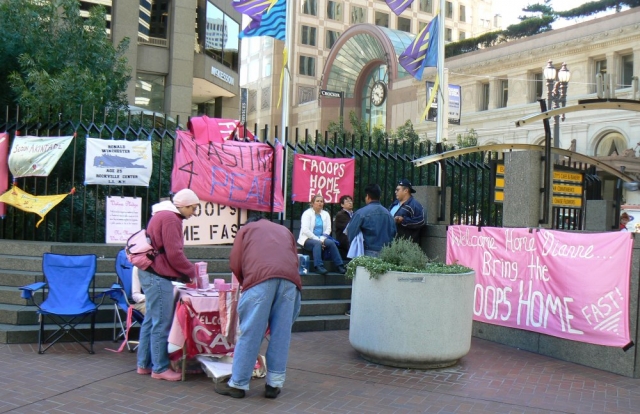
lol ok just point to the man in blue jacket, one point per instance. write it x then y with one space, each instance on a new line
374 221
407 212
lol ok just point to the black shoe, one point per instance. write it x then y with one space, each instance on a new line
342 270
271 392
223 388
321 270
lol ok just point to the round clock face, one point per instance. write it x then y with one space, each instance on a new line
378 93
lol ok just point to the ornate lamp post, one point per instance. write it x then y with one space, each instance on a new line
557 85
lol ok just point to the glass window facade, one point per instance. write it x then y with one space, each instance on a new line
310 7
308 35
448 10
626 68
426 6
334 10
463 13
307 66
382 19
404 24
150 92
220 40
153 19
358 15
330 38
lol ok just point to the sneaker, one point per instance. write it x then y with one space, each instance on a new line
144 371
223 388
321 270
168 375
342 270
271 392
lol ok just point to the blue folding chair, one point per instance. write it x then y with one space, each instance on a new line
67 301
121 295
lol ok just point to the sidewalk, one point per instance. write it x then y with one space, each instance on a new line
325 375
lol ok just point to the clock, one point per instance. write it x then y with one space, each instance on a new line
378 93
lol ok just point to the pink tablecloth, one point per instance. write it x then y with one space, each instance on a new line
196 321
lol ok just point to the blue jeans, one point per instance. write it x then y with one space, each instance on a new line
154 332
315 246
274 303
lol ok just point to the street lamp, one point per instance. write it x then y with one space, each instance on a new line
556 94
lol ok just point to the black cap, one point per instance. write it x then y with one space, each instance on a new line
406 183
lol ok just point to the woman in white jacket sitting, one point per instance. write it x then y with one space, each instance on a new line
315 226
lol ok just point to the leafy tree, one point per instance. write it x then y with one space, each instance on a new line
55 60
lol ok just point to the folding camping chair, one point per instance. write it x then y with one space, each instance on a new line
121 295
68 280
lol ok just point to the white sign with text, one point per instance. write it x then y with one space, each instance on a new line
213 223
123 218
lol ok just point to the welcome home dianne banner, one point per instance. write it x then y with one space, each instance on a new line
36 156
231 173
330 177
118 162
569 285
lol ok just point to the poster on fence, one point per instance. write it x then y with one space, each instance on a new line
213 223
330 177
4 169
231 173
569 285
118 162
36 156
123 218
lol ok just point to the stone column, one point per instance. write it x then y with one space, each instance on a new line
523 172
124 23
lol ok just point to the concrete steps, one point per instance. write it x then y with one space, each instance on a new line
325 299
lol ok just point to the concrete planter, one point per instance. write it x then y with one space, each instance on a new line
412 320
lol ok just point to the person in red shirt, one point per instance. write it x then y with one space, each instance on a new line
264 259
165 232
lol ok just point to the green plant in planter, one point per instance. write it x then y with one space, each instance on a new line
401 255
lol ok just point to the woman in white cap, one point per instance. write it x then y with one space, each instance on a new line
165 231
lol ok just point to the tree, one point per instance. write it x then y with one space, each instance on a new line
55 60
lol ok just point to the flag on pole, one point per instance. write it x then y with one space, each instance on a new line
268 17
423 51
398 6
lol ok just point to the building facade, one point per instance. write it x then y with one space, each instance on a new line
184 54
319 28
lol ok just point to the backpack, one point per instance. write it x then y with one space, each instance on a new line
140 250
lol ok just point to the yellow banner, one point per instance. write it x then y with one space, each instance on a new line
40 205
567 176
567 201
568 189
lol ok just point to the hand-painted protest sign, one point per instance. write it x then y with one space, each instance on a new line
213 224
569 285
233 173
4 169
40 205
123 218
121 162
206 129
36 156
331 177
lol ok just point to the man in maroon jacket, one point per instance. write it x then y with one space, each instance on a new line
264 259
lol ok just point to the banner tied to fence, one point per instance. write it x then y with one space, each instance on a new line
569 285
118 162
330 177
24 201
232 173
4 169
36 156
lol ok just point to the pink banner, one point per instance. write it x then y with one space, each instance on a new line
4 169
207 129
569 285
331 177
233 173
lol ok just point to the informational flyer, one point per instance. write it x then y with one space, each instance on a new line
123 218
118 162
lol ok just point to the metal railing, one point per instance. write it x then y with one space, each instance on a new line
80 217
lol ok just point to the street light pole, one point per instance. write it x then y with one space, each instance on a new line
557 85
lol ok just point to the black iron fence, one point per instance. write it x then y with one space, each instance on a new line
81 216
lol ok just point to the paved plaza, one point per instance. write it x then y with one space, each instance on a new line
324 375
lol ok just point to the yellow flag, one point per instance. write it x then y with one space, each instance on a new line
285 61
434 92
40 205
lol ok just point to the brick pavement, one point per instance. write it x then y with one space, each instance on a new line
325 375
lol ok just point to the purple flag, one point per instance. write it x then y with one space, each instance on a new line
398 6
422 52
252 8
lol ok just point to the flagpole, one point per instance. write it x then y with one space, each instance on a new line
288 42
442 111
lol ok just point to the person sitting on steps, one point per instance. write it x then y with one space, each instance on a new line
315 226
